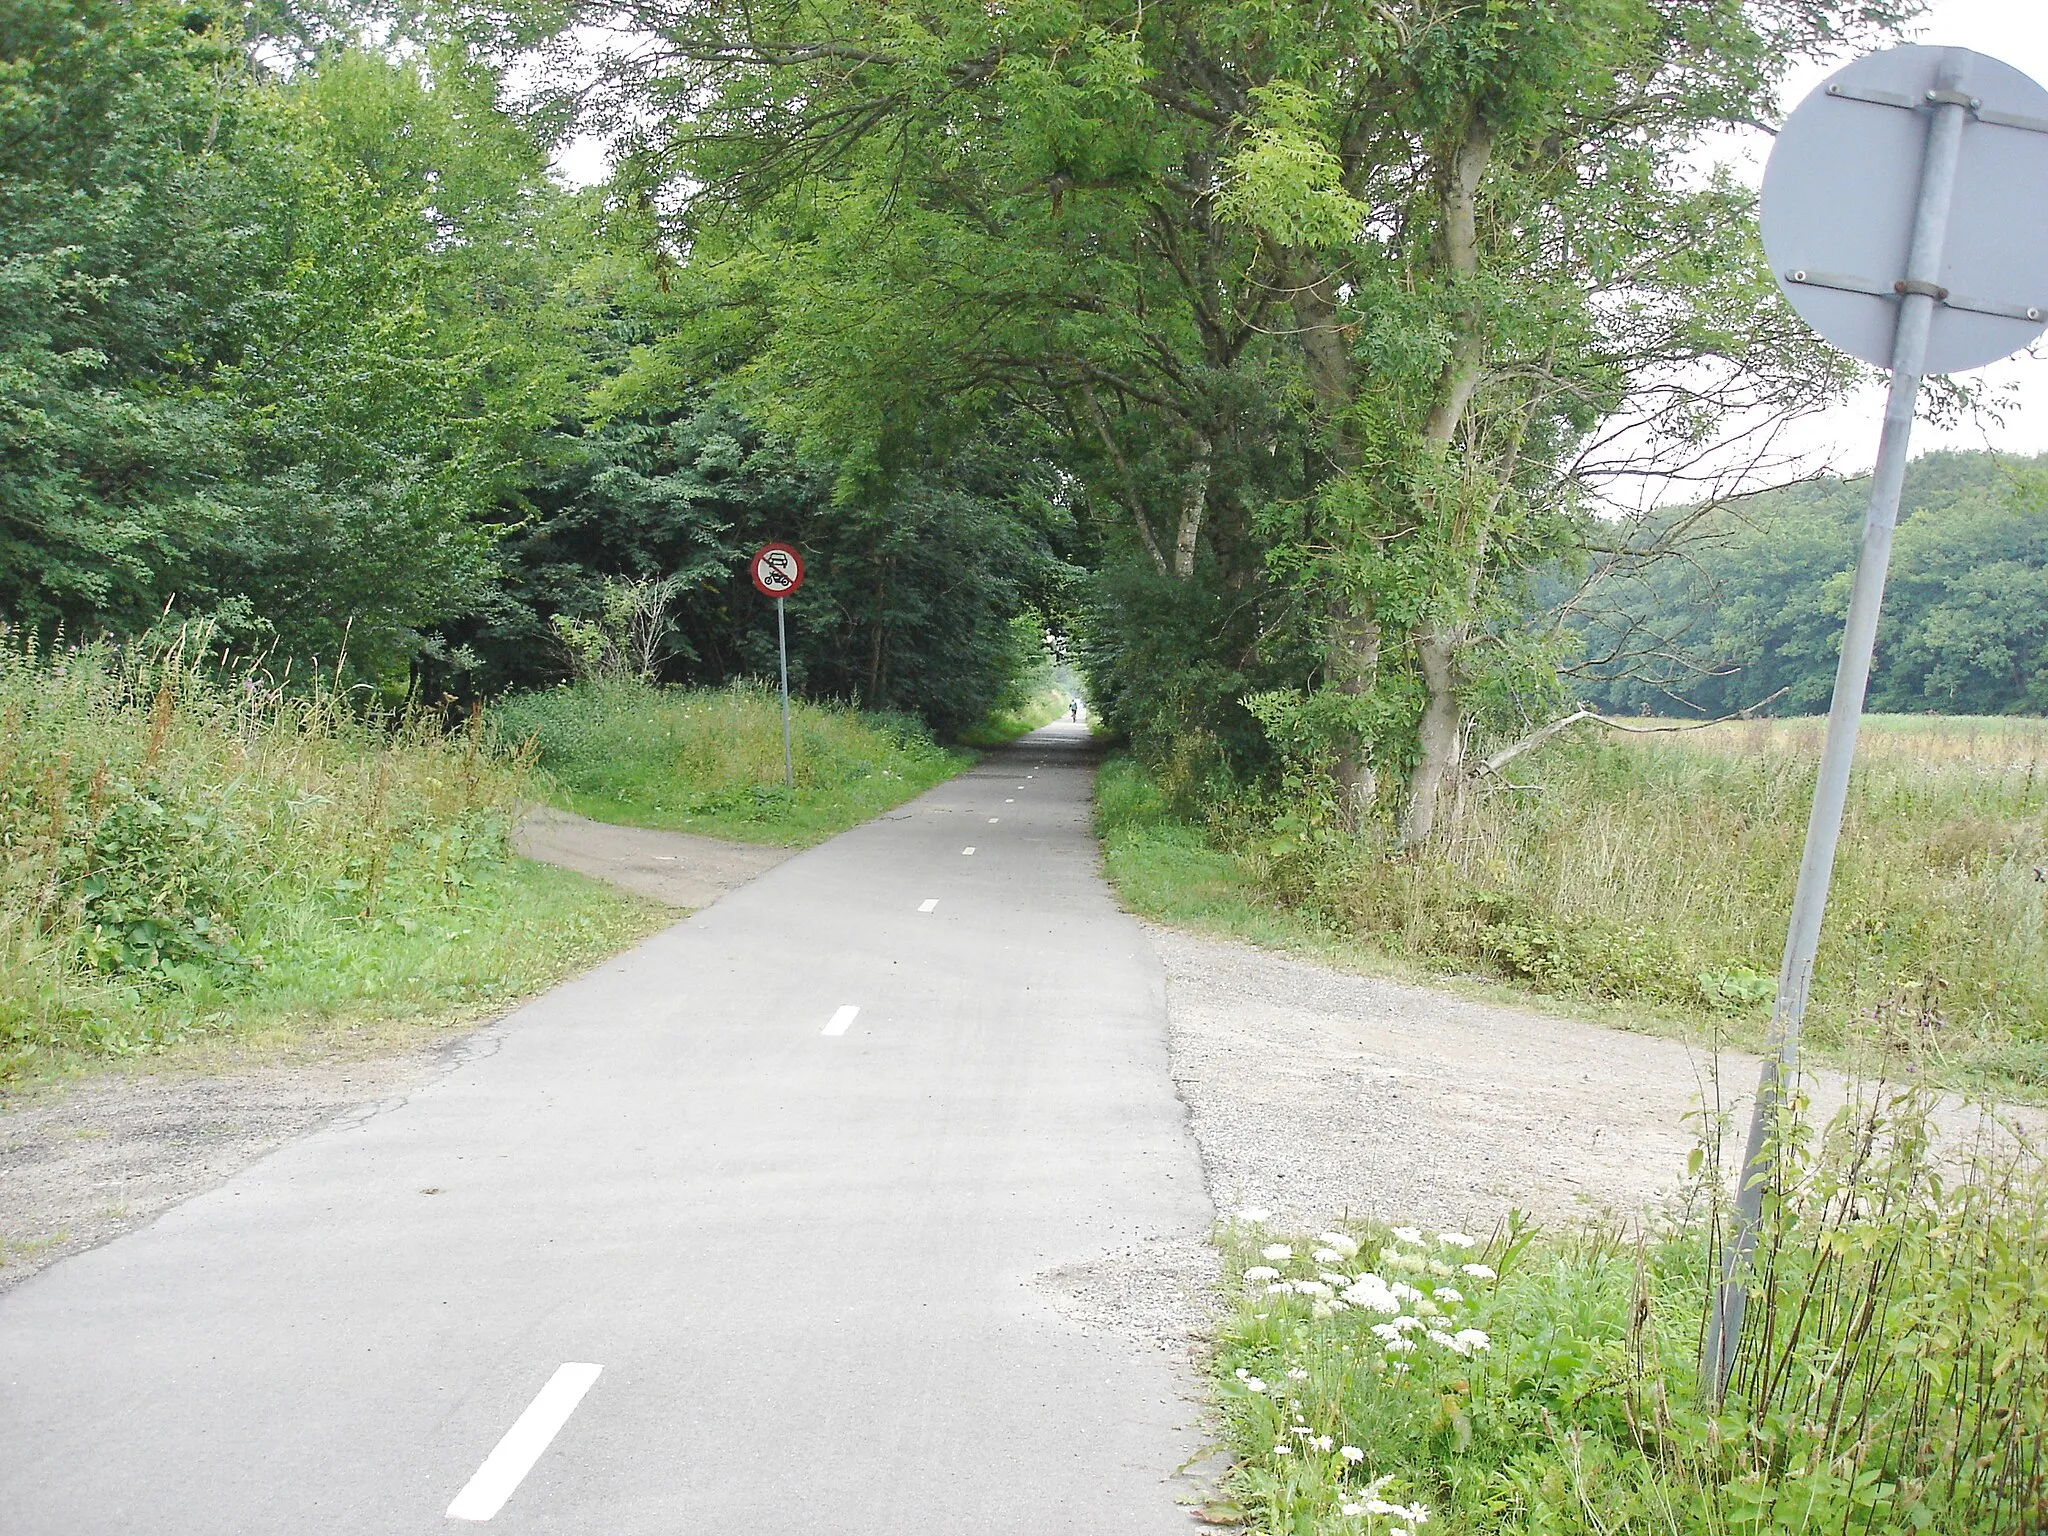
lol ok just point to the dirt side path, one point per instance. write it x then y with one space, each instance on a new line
84 1160
678 868
1314 1092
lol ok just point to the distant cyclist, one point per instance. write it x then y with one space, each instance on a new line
1073 709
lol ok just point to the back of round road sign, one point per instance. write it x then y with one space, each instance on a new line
777 570
1841 193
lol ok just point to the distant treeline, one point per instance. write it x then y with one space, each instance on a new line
1752 600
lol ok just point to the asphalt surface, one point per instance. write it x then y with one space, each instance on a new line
802 1261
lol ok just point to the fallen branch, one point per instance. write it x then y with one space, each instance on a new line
1534 739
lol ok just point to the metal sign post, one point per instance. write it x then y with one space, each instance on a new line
777 571
1905 214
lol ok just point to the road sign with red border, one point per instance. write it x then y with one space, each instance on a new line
777 569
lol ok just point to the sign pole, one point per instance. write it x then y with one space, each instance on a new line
1919 294
776 571
782 645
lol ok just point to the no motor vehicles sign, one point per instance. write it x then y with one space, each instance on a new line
777 570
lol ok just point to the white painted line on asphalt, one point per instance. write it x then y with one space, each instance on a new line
929 904
1012 802
507 1465
993 820
841 1019
965 851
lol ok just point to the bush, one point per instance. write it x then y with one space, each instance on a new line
172 835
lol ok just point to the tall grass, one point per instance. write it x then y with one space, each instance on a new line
1658 871
710 760
1893 1376
186 851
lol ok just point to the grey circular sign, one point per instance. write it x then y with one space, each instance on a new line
1843 187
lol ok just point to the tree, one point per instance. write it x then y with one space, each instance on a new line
1329 303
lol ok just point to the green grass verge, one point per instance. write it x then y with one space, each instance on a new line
191 857
1006 725
1379 1380
710 760
1646 889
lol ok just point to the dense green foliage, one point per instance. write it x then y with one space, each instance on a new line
297 335
1651 877
710 760
1379 1380
1317 310
1755 608
180 855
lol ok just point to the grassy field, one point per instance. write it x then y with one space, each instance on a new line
186 856
1646 879
710 760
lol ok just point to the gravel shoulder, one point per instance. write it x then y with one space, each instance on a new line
83 1160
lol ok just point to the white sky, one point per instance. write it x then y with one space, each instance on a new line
1845 438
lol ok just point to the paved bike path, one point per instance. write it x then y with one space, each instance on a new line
803 1261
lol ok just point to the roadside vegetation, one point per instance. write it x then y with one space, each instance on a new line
189 854
1649 877
709 760
1391 1382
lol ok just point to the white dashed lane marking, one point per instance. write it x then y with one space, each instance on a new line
965 851
841 1019
507 1465
929 904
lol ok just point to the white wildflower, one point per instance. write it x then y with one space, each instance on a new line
1401 1346
1404 1290
1253 1384
1279 1253
1324 1308
1449 1293
1324 1444
1347 1246
1303 1430
1407 1323
1444 1340
1440 1269
1327 1256
1280 1288
1351 1509
1351 1453
1314 1288
1331 1277
1408 1235
1261 1272
1479 1271
1455 1240
1283 1449
1370 1294
1296 1373
1242 1373
1474 1338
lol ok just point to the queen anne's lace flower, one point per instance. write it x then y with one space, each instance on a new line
1261 1272
1279 1253
1408 1235
1479 1271
1474 1338
1454 1240
1346 1246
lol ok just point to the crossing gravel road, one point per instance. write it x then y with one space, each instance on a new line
741 1231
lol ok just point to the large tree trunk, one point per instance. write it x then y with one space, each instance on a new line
1437 644
1442 733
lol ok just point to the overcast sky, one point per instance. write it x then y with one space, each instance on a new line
1845 438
